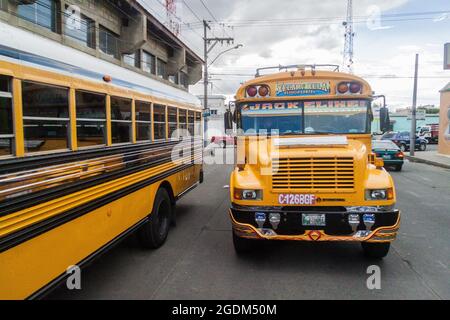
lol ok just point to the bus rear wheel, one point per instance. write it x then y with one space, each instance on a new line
376 250
154 233
242 245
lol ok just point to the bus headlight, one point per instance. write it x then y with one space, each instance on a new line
247 194
380 194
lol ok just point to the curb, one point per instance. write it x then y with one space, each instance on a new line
429 162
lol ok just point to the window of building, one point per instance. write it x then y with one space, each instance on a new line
173 122
80 28
109 42
159 119
182 118
213 112
148 62
191 122
174 79
143 121
46 117
132 59
184 80
198 124
91 119
6 117
162 66
121 122
4 5
41 12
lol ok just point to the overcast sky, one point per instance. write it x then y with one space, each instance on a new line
277 32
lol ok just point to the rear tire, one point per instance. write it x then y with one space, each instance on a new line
154 233
423 147
398 167
375 250
242 245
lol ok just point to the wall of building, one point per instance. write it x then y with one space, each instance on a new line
444 126
216 122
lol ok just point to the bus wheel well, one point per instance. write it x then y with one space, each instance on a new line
166 185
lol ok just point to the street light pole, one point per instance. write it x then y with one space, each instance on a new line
207 49
412 143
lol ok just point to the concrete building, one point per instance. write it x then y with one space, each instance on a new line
216 122
444 125
122 32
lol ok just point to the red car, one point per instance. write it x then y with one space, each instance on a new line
224 141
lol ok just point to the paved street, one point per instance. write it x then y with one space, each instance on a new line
198 261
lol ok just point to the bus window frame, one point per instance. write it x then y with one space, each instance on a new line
302 103
150 122
130 122
67 120
164 107
9 95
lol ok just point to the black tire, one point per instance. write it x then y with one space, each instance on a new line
242 245
376 250
398 167
423 147
403 147
154 233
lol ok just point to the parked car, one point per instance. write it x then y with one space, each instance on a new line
402 140
429 132
223 141
389 152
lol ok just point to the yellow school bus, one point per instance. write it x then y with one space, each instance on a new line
304 166
86 159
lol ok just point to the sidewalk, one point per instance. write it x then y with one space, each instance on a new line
430 157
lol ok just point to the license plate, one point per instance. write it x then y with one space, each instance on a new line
387 157
313 220
297 199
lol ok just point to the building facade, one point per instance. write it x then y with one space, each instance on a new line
122 32
444 125
216 121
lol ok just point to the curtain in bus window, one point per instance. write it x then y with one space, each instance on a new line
46 117
91 119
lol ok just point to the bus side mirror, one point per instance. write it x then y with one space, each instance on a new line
228 117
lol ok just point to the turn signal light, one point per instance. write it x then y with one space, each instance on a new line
349 88
400 155
263 91
343 87
259 90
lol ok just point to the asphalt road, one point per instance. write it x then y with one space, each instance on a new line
198 261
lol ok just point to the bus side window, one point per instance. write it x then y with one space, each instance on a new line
91 119
6 117
159 121
191 123
182 118
121 122
143 121
198 124
46 117
172 122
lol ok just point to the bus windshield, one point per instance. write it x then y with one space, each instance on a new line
306 117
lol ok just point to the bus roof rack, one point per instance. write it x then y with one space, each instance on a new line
313 67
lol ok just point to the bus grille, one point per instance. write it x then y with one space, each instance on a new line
331 174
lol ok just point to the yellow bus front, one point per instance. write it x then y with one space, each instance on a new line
305 169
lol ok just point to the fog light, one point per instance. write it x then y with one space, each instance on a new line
354 221
275 219
260 219
369 220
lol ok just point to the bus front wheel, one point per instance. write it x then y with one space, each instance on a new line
376 250
154 233
242 245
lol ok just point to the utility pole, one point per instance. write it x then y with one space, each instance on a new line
349 36
209 44
412 143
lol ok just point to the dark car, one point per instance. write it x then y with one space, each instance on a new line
389 152
402 140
